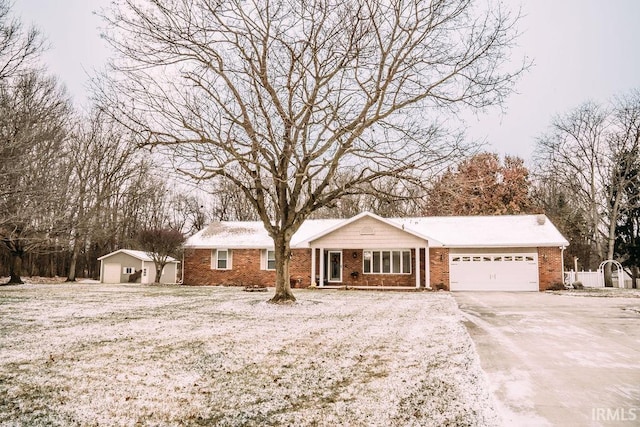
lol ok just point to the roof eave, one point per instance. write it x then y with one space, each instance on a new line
507 245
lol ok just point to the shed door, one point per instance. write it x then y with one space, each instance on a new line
494 271
111 273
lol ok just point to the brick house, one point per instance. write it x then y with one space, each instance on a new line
510 252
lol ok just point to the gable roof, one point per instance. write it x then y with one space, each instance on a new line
361 215
141 255
458 231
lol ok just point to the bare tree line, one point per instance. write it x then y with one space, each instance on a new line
588 169
72 186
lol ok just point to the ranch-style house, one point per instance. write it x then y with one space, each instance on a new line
481 253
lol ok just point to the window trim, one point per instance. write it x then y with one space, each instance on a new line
267 259
215 259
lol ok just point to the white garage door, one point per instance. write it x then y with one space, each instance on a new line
111 273
493 271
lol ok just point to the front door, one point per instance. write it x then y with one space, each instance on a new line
335 266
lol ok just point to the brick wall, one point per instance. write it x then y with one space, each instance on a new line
245 269
300 267
439 265
549 267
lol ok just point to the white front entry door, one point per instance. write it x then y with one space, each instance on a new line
493 271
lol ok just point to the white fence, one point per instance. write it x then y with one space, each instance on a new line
589 279
595 279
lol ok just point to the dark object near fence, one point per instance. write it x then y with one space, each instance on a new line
133 278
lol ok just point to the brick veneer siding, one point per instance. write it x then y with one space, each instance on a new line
439 265
245 269
549 267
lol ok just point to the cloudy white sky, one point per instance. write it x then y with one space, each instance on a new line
582 50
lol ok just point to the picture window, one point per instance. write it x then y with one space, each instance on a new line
387 262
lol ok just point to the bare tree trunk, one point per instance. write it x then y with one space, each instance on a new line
283 293
74 260
159 268
611 236
15 269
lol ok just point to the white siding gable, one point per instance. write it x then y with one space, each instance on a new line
368 232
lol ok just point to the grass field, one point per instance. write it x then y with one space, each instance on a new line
90 354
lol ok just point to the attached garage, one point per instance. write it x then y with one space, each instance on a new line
494 270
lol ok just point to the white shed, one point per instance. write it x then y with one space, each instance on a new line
127 265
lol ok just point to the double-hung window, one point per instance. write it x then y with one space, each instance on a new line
221 259
270 260
387 262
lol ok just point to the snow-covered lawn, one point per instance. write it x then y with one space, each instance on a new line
90 354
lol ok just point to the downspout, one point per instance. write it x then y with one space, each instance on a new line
427 267
562 248
182 270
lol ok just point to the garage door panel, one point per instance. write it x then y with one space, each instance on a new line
111 273
494 272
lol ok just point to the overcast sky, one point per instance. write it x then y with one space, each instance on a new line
582 50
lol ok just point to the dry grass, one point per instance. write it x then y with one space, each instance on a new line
600 292
87 354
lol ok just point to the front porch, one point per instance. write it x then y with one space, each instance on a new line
370 251
378 269
374 288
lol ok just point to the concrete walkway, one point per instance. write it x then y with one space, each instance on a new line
558 360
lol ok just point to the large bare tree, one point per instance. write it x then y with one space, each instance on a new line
34 114
102 165
280 97
590 152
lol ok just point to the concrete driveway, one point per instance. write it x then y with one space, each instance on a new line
558 360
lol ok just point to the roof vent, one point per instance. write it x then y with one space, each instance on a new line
541 219
366 231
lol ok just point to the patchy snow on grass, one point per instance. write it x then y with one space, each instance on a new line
86 354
